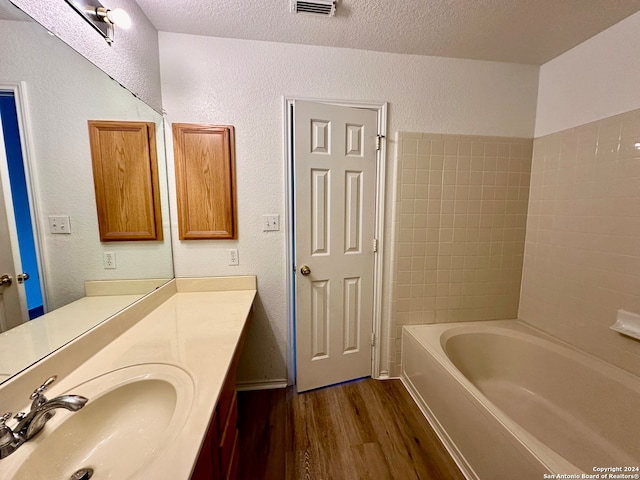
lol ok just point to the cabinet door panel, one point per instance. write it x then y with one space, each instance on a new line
125 174
205 181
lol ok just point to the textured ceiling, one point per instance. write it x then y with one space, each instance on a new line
521 31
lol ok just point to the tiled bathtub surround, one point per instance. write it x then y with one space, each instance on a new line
461 210
582 255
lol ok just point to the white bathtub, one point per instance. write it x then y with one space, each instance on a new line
511 402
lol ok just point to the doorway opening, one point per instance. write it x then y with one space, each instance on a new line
24 222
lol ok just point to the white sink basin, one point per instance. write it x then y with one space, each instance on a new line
132 415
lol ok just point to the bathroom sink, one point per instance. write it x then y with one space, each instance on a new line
132 415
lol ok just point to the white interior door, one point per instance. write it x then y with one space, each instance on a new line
13 302
334 198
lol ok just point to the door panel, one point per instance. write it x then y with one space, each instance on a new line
319 319
334 176
13 302
320 211
352 319
353 212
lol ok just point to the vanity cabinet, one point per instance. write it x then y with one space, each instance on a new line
220 452
227 421
207 466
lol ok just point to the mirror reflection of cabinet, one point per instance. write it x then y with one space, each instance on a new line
59 90
125 174
205 181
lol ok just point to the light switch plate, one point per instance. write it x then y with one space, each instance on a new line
59 224
270 223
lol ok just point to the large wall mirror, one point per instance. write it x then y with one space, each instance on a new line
54 92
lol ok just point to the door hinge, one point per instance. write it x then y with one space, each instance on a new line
379 141
373 339
375 244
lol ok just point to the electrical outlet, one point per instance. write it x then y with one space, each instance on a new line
109 260
59 224
270 223
233 256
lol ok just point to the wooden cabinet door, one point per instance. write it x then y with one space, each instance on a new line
125 175
205 181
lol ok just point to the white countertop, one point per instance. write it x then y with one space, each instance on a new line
197 331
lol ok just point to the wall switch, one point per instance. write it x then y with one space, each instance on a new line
270 223
233 256
109 260
59 224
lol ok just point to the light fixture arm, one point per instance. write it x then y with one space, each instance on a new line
101 13
101 18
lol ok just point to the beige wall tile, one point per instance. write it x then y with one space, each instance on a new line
460 241
582 248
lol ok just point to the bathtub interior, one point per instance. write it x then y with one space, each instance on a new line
581 408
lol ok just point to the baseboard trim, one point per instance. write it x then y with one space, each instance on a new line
267 385
273 384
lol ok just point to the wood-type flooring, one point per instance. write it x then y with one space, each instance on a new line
364 429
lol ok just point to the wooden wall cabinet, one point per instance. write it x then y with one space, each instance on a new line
125 175
205 181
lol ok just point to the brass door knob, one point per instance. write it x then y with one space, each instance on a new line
305 270
5 281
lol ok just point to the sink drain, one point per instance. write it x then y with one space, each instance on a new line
82 474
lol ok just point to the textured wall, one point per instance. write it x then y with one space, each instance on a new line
460 224
242 83
582 255
595 80
62 89
132 59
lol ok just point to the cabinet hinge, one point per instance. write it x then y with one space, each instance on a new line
373 339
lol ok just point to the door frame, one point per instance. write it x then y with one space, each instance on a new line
19 90
381 161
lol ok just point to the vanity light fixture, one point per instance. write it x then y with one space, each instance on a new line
101 18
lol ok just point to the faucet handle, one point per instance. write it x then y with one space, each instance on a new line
43 387
6 434
38 394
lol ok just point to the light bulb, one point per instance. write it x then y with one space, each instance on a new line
119 17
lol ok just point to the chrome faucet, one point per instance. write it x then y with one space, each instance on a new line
29 424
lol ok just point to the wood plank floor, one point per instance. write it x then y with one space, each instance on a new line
365 429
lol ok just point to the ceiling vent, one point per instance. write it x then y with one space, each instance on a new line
322 8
